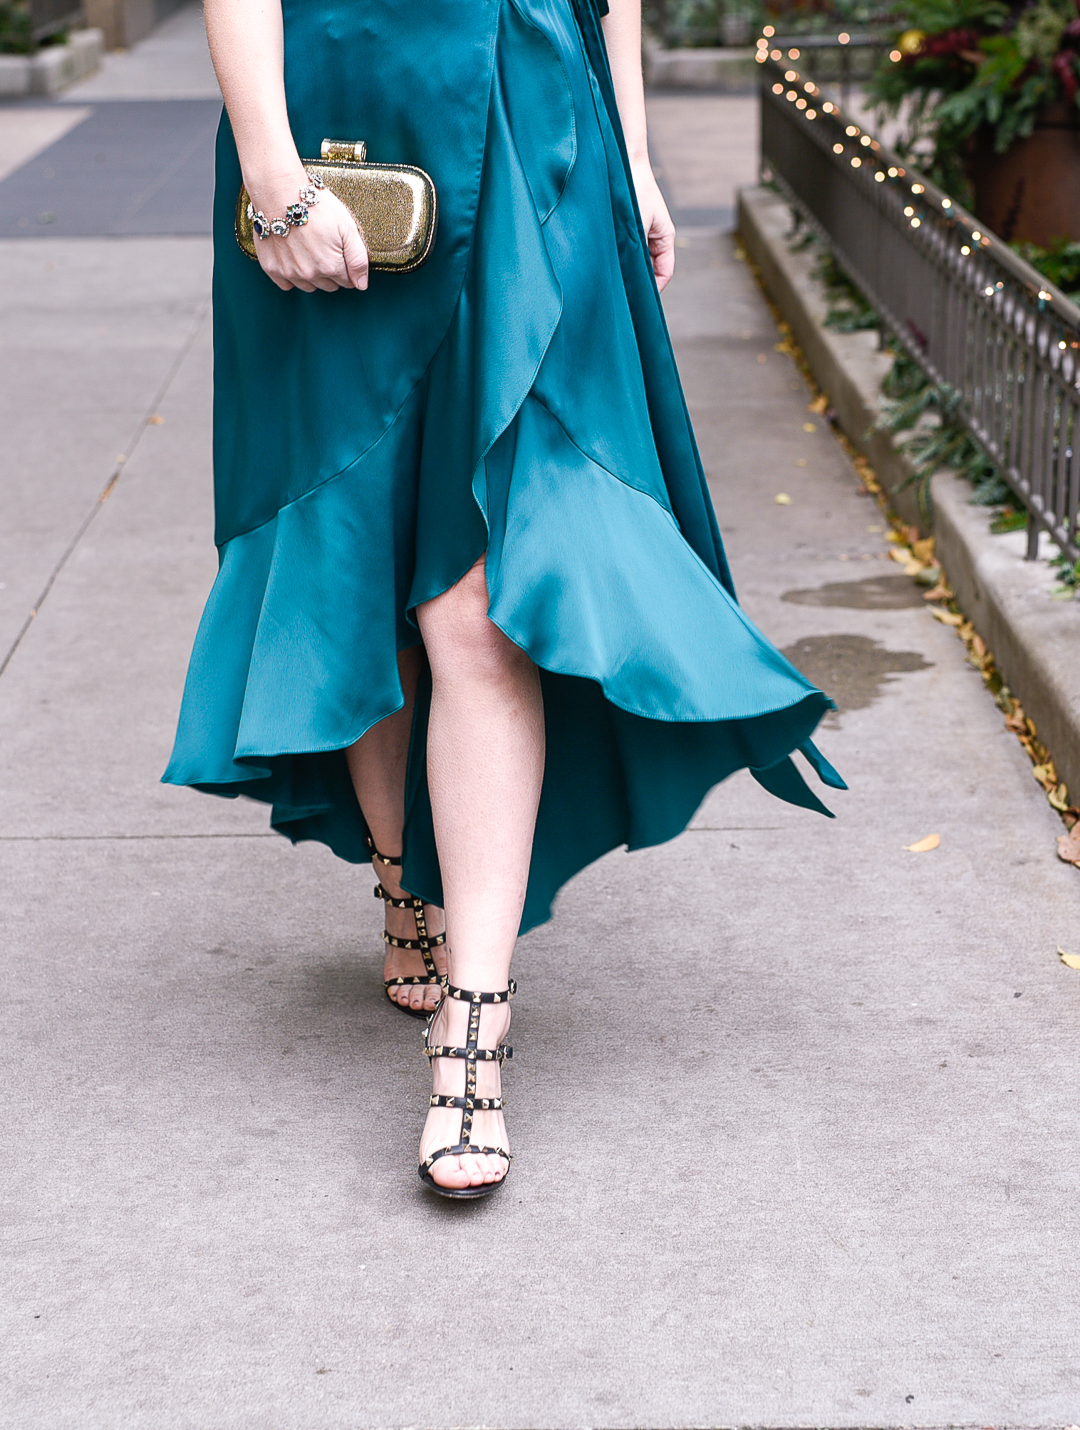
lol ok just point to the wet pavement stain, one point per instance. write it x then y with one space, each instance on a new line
874 593
851 669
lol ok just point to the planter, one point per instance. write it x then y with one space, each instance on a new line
53 68
1031 193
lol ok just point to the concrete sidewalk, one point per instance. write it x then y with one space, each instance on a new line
795 1110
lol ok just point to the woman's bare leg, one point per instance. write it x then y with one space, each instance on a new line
377 765
485 766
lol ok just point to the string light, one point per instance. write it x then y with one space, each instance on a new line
769 30
838 148
895 56
880 177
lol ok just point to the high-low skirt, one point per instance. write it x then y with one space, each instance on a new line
516 396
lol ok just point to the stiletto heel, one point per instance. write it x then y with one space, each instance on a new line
423 943
471 1053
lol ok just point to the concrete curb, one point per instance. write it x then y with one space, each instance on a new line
53 68
1034 636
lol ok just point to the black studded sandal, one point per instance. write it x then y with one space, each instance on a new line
472 1053
422 943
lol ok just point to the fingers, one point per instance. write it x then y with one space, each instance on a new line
355 255
662 250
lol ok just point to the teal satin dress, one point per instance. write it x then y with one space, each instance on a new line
517 396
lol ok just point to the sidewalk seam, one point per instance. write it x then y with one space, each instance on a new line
107 490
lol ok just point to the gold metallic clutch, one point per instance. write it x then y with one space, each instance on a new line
394 205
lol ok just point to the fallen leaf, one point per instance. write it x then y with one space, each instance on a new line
913 568
762 358
1068 846
818 405
782 499
1070 960
1059 798
809 426
800 461
902 554
1045 774
155 421
924 549
941 592
923 846
947 618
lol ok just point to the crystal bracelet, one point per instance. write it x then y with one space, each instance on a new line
296 215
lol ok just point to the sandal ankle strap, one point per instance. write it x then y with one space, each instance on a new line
387 859
467 995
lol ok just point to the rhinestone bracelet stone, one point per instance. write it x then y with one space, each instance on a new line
296 215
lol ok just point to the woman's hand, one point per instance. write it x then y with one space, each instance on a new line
659 229
327 252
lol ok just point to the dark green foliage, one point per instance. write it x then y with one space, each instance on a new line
849 312
1060 263
976 67
910 398
15 28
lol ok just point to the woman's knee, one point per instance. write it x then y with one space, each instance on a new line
459 637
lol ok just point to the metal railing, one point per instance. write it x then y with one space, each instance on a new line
842 59
979 321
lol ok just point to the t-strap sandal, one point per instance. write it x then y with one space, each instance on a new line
423 943
472 1053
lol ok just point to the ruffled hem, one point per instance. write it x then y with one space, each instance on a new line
602 557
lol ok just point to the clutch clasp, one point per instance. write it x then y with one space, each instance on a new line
343 150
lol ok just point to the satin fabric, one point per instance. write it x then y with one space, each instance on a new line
517 396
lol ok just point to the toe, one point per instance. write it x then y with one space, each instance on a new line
448 1172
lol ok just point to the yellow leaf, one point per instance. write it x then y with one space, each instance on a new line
923 549
923 846
809 426
782 499
1070 960
1059 798
819 405
947 618
941 592
155 421
1045 774
913 568
901 554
